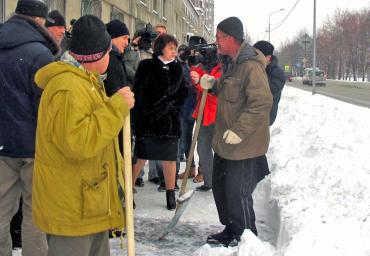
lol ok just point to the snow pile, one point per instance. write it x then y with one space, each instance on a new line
249 245
315 202
319 158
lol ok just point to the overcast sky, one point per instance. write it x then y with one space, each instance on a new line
255 15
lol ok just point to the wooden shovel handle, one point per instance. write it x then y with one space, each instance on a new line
193 142
128 187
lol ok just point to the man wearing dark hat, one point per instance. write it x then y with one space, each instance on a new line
56 25
25 47
116 72
241 130
276 78
78 163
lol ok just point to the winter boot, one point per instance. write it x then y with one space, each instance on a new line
199 177
223 238
162 187
170 198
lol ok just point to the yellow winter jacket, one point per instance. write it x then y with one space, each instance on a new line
75 188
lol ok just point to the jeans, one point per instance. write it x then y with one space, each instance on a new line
205 153
187 126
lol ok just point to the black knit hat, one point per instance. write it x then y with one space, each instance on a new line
55 19
117 28
31 8
90 39
233 27
196 40
265 47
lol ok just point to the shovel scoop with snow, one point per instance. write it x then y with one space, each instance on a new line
184 197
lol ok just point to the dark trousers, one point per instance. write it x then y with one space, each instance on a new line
233 184
262 168
187 126
16 227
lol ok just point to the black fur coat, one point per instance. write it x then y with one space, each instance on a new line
160 93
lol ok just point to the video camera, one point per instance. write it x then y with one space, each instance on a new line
147 35
201 53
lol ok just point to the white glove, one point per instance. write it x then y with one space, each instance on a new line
207 81
230 137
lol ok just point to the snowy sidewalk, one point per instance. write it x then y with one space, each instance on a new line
315 202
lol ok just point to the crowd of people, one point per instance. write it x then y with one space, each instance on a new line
64 95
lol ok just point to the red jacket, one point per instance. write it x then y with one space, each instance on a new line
210 109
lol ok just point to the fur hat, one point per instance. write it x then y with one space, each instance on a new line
265 47
31 8
90 39
55 19
117 28
233 27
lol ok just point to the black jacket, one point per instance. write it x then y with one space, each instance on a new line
277 79
25 47
160 93
116 73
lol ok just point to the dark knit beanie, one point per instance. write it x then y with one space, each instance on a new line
90 39
55 19
233 27
117 28
265 47
32 8
196 40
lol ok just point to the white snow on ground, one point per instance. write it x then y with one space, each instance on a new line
315 202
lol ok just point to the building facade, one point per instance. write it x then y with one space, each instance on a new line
182 18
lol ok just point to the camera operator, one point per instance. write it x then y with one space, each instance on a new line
140 49
205 61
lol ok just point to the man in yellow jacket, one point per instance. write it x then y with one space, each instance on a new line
77 160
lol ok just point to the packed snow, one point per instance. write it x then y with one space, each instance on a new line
316 201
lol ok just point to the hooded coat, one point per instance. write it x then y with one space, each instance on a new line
75 189
25 47
244 104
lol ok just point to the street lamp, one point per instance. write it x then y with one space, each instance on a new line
282 9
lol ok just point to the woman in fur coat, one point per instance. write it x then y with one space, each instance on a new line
160 93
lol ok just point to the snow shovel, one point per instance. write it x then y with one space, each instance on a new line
184 197
128 187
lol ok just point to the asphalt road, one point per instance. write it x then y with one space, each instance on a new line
352 92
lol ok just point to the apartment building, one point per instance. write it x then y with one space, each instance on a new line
182 18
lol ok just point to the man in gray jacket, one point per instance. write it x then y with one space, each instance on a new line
241 130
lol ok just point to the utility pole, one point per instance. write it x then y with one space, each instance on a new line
314 50
305 43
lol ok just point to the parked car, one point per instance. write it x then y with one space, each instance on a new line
307 77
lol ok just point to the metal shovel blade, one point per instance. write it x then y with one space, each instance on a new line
182 203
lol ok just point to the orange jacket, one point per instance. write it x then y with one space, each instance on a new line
210 109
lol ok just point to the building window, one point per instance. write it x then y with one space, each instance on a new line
116 14
155 6
91 7
164 8
2 11
59 5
